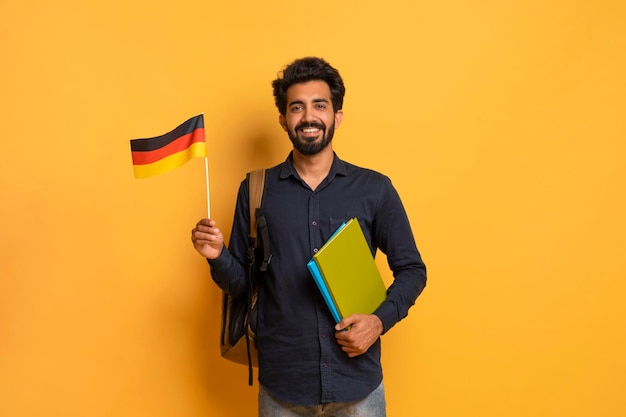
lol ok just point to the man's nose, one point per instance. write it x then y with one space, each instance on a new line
308 115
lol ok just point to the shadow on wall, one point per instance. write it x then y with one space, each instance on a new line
262 141
263 150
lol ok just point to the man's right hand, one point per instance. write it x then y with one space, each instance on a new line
207 239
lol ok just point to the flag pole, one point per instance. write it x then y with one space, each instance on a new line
208 199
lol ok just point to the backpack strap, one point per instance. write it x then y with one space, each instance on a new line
256 184
256 187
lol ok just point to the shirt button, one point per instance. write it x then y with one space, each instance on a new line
314 223
324 365
315 250
323 335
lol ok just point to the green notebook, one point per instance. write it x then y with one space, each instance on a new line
349 271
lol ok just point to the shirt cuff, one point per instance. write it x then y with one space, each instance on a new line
387 315
221 261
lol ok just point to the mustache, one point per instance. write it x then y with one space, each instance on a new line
306 125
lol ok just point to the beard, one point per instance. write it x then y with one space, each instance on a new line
310 147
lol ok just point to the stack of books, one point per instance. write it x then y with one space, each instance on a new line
346 274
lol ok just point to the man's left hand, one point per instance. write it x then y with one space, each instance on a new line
356 333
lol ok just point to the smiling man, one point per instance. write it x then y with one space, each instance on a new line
308 365
309 118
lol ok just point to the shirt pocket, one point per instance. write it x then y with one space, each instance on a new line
335 223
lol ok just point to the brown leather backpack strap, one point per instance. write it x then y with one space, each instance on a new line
255 189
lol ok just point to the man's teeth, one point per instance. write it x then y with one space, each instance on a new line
310 129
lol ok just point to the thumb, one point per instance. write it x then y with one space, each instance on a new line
345 323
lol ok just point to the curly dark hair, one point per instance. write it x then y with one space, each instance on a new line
308 69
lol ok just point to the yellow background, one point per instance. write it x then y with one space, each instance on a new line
500 122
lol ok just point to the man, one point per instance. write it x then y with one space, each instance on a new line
307 364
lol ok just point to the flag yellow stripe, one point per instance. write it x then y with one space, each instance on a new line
171 162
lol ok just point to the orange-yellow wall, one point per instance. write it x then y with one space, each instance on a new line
501 123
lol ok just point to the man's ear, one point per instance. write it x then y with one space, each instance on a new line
282 121
338 118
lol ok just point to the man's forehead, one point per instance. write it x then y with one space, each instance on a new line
316 90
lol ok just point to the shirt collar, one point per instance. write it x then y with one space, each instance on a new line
338 168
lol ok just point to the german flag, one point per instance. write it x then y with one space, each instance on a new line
152 156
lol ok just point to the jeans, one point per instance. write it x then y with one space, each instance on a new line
371 406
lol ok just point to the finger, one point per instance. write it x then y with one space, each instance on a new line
202 237
347 322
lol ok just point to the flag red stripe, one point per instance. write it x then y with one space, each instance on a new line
180 144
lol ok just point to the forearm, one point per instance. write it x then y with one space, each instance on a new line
396 240
229 274
230 270
401 295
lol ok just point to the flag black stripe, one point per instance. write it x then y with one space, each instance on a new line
151 144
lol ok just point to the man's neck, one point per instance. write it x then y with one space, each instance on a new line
313 168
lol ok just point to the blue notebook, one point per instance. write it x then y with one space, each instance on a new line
317 277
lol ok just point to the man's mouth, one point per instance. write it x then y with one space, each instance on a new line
310 128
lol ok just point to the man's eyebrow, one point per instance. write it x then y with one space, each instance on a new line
315 100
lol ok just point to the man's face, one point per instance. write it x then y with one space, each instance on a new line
310 120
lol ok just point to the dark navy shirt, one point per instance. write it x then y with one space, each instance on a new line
300 361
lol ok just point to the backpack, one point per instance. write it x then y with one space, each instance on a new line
239 316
